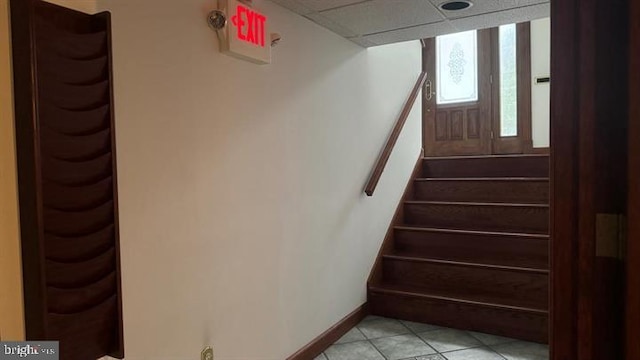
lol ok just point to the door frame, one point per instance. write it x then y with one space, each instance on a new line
563 176
588 150
632 346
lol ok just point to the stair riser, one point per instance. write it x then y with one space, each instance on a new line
514 288
503 322
519 251
520 219
522 192
534 166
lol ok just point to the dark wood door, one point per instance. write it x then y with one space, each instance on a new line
496 119
451 127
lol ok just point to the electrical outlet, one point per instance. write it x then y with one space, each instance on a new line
207 353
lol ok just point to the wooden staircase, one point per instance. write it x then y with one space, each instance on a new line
468 247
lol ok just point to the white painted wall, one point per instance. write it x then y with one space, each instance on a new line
540 67
243 219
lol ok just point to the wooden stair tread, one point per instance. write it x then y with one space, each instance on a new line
456 157
465 203
487 216
481 189
411 291
406 256
469 232
502 284
518 178
486 166
484 247
468 247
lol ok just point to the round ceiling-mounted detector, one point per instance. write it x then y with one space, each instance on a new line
455 5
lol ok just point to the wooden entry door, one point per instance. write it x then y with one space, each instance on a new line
458 122
477 97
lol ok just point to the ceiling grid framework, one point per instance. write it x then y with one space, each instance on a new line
379 22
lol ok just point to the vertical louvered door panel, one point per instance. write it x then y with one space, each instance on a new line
67 179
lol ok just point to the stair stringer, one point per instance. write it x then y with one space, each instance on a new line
375 277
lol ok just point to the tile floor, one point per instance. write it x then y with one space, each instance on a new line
378 338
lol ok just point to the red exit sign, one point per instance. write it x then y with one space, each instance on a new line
250 25
246 35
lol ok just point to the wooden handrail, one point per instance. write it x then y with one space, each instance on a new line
393 138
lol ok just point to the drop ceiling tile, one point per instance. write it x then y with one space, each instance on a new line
412 33
319 5
502 17
363 41
294 6
486 6
337 28
382 15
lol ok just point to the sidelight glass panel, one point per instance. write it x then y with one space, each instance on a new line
457 68
508 81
